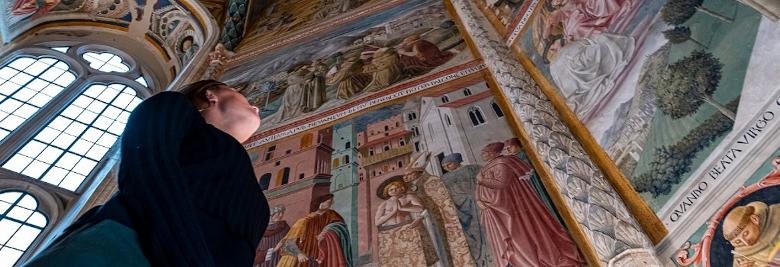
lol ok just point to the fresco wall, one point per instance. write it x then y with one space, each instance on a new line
746 229
429 180
402 44
659 87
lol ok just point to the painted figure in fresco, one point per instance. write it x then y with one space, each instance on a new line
36 7
267 254
403 239
460 181
754 231
187 49
513 148
419 56
321 237
774 175
293 99
586 70
385 69
349 78
522 232
444 216
315 86
565 21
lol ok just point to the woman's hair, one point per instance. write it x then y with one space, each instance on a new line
315 203
196 92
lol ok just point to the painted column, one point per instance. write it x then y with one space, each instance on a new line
605 224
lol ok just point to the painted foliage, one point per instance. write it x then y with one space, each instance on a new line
745 231
279 18
412 40
657 83
421 182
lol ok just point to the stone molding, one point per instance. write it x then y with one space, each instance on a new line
598 210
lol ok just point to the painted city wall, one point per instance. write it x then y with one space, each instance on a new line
435 179
660 85
745 231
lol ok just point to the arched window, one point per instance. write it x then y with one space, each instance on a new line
387 128
466 92
445 99
497 109
346 159
265 181
402 142
89 92
475 114
20 225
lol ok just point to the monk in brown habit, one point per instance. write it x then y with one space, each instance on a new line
521 230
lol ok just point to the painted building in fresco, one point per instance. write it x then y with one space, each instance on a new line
297 170
344 182
461 120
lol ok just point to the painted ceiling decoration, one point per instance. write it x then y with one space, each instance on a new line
177 28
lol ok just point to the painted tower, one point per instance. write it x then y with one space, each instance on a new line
344 179
296 170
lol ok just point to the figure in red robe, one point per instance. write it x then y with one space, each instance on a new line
267 254
319 239
36 7
419 56
521 230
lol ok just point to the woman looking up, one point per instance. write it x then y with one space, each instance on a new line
187 194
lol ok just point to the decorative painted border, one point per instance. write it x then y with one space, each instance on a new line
519 23
249 52
702 249
389 94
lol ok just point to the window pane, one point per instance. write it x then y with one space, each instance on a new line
71 145
63 49
20 226
26 87
105 62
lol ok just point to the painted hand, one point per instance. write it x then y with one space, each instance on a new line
302 258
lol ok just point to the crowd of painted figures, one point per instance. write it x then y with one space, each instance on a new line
492 215
371 69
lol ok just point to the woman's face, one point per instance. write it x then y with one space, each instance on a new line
326 204
238 116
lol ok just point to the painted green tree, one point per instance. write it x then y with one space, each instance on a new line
688 83
676 12
670 163
681 34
